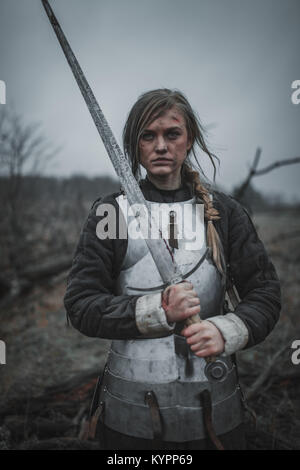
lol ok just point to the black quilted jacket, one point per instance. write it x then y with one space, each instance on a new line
94 310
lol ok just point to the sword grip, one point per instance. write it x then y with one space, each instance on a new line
193 319
190 321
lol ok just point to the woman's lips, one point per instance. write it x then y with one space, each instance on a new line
161 161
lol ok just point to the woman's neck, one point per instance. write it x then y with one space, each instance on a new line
165 183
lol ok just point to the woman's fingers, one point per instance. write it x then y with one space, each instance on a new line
204 339
194 301
193 311
186 285
207 351
198 347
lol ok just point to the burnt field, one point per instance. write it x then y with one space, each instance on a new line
51 369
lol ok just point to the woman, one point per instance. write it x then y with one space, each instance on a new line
160 388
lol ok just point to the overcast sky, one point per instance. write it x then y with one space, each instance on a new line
234 59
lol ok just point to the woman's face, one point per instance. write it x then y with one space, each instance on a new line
164 144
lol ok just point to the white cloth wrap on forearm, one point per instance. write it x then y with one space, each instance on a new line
150 317
151 321
234 332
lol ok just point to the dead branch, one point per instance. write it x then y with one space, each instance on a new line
289 161
239 192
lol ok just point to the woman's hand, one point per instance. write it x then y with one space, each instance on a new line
180 301
204 339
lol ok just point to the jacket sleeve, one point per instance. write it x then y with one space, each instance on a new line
254 276
90 301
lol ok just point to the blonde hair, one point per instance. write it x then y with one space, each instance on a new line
150 106
210 214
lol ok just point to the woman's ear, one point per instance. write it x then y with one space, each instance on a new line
190 144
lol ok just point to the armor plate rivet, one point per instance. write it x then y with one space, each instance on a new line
217 372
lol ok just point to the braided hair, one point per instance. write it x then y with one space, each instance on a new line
150 106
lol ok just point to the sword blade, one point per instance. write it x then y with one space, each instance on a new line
159 248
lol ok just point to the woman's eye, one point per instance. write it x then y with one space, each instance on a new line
173 134
147 137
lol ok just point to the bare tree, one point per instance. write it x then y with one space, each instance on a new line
24 152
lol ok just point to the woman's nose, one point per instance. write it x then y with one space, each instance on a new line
161 146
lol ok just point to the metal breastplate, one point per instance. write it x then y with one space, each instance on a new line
139 274
166 366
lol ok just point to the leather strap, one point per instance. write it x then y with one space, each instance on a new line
94 402
231 289
94 421
151 401
207 414
89 428
173 230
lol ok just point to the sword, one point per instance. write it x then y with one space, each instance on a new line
159 247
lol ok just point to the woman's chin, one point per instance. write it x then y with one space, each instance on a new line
160 171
